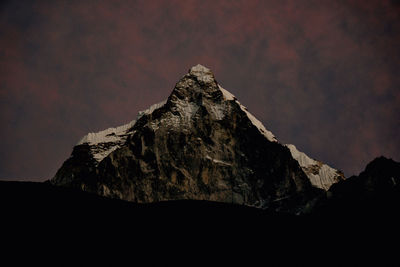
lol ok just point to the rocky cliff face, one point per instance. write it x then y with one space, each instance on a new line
201 144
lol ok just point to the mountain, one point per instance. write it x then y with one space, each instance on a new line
199 144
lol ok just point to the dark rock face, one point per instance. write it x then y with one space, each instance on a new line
80 166
59 217
375 192
381 176
200 145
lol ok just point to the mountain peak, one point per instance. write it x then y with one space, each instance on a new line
195 87
201 143
203 74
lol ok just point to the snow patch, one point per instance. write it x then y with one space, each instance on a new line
302 159
320 175
151 109
115 134
325 178
227 95
106 136
104 142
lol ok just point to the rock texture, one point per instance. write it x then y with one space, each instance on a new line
200 144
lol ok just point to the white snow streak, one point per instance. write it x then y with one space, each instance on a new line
269 135
302 159
217 161
106 136
227 95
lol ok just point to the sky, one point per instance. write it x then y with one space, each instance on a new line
323 75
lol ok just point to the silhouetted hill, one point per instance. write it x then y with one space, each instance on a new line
356 224
24 199
375 193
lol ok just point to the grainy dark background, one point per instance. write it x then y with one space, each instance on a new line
323 75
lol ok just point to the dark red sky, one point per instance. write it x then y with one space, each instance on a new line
323 75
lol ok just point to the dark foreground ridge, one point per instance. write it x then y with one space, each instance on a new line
356 224
374 193
41 201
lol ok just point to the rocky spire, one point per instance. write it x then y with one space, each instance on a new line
202 74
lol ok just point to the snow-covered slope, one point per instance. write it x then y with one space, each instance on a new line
104 142
320 175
